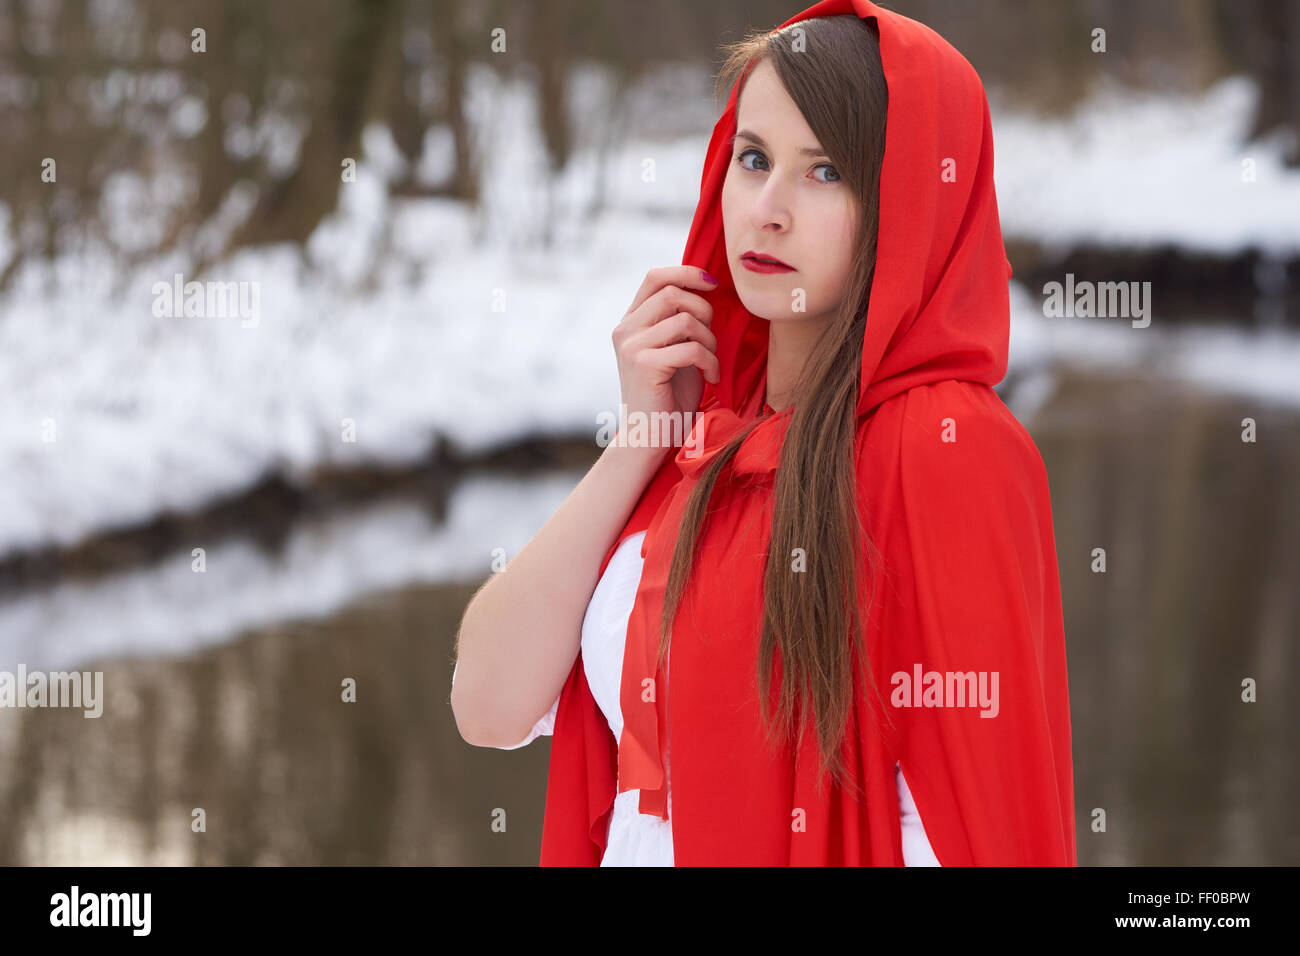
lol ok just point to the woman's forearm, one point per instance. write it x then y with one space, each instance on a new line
522 630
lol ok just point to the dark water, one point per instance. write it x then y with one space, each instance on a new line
1200 593
255 732
1199 531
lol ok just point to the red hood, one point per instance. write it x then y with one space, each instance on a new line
955 498
939 307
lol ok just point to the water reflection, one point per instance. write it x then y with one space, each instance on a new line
256 734
1198 529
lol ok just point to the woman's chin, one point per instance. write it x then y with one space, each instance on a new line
765 306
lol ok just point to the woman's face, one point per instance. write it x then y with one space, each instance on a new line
782 198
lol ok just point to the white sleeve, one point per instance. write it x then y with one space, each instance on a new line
543 727
916 845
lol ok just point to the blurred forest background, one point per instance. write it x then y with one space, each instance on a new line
439 210
112 87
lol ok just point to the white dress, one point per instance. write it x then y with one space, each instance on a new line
642 839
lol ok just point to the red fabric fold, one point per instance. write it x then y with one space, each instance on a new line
954 495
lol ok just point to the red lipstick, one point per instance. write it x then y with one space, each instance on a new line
762 262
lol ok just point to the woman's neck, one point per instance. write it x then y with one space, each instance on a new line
789 343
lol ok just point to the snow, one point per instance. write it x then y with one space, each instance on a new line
1138 169
404 320
1257 366
170 609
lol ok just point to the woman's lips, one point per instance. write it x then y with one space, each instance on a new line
762 265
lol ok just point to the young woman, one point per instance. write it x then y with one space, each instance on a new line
852 559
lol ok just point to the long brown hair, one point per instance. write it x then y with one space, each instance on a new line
831 68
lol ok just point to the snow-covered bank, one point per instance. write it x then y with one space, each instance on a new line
402 321
169 609
1135 169
1257 366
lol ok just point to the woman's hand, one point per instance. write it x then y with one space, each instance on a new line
664 345
512 662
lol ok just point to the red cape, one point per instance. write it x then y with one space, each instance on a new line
963 528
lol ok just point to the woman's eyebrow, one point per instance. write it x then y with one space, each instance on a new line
758 141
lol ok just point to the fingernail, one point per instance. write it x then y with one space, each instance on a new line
709 277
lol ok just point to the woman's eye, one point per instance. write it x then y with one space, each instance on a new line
741 158
833 175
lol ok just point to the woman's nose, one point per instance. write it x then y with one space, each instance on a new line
770 210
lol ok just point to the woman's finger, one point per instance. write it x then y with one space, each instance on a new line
666 302
687 277
667 361
678 327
